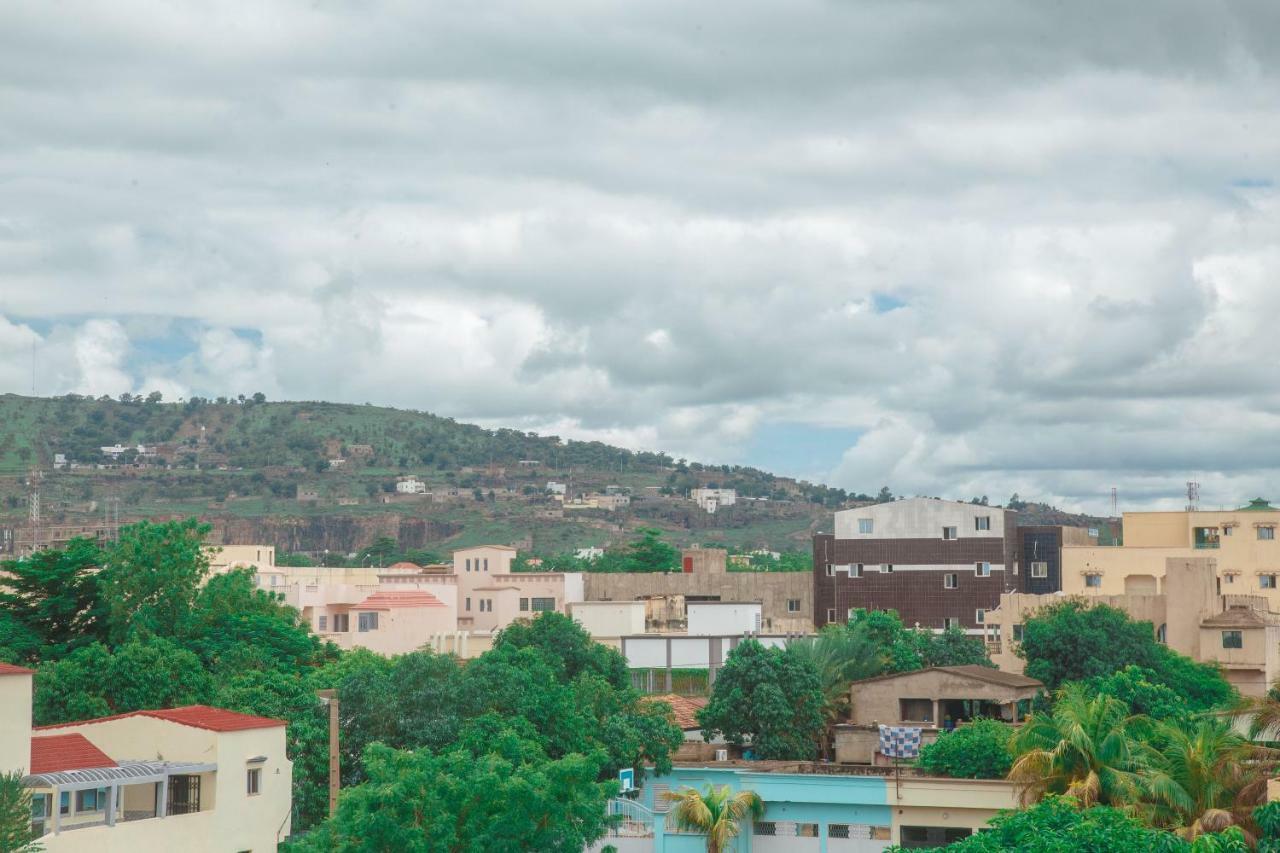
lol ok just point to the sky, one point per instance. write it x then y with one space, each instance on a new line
957 249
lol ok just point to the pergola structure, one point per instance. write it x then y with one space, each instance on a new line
163 776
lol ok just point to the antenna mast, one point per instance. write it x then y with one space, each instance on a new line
1193 496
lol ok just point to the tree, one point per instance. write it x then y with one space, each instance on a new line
1085 748
1140 689
840 657
1203 777
49 604
15 815
977 750
1059 825
768 699
509 799
716 812
907 649
150 577
884 496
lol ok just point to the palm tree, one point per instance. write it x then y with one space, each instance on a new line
840 656
717 812
1204 777
1085 748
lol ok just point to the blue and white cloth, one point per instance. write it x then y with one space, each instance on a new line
899 741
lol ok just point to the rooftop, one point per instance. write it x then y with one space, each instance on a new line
387 600
195 716
684 708
1241 617
54 753
974 671
10 669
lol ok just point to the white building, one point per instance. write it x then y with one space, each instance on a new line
555 488
712 618
712 499
411 486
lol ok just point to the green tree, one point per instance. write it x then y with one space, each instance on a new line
840 657
1140 689
650 554
717 813
1058 825
15 815
509 799
977 750
908 649
768 699
1085 748
150 577
49 604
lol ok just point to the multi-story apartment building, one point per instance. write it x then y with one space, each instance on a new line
937 563
1242 541
194 778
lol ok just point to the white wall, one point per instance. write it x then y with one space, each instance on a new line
609 618
686 652
15 722
919 518
707 618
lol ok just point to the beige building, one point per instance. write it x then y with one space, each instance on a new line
491 596
1238 632
1242 541
192 779
609 618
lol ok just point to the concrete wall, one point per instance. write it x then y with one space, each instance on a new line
401 629
609 618
771 589
951 803
15 722
222 557
684 652
919 518
712 618
877 701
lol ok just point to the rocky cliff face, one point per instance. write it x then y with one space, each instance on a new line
340 533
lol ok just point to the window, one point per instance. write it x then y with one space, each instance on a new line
64 803
341 623
949 533
323 622
980 616
541 605
1040 570
950 581
793 605
253 781
1232 639
1017 632
367 621
927 837
92 800
1093 579
831 570
486 564
1227 528
950 622
1267 581
866 526
524 605
468 603
806 830
982 522
831 614
1266 533
982 570
1229 578
886 568
468 564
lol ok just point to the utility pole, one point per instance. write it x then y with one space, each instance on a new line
330 698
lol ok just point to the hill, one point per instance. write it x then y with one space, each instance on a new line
315 477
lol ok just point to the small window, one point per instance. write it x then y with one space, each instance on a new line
806 830
1017 632
982 570
524 605
866 526
253 781
831 614
831 570
950 622
793 605
886 568
982 522
92 800
1267 581
468 564
64 803
1229 578
980 616
855 571
323 622
486 564
1267 533
1232 640
541 605
950 581
949 533
1227 529
1040 570
341 623
1093 579
468 607
367 622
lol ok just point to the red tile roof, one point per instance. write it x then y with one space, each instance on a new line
52 753
387 599
404 564
10 669
683 707
196 716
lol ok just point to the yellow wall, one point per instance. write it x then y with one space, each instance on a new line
967 803
15 722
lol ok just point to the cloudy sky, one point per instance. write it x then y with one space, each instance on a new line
955 248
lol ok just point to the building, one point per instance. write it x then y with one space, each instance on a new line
223 558
707 618
194 778
556 489
711 500
786 598
609 618
1238 632
411 486
491 596
814 808
938 563
1242 541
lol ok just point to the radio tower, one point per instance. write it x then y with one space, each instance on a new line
1193 496
33 502
1114 511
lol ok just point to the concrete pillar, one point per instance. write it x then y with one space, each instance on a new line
937 713
822 836
57 809
112 799
162 807
668 664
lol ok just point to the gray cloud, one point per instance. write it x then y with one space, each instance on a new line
1013 246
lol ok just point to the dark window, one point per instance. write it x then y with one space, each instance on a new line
1232 640
982 522
541 605
253 781
93 800
524 604
793 605
368 622
184 795
341 623
925 837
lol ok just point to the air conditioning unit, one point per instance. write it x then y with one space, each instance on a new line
722 755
